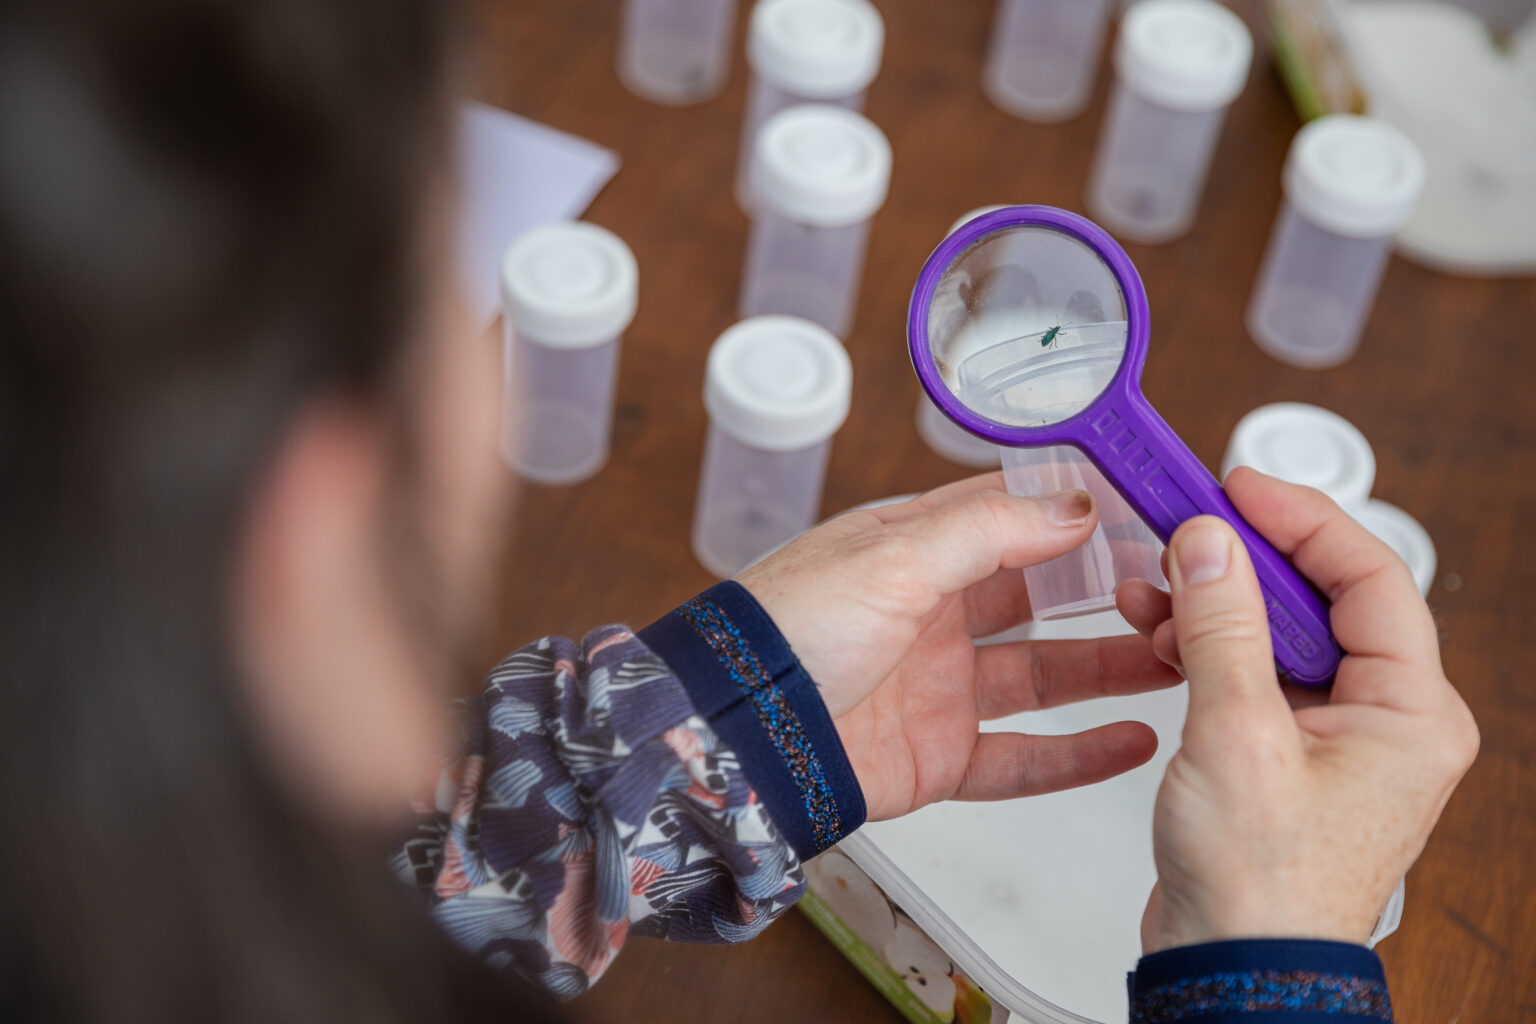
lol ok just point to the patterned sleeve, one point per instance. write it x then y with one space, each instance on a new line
594 800
1276 981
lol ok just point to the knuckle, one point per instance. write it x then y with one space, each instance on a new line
1225 626
1456 731
898 556
1452 740
990 509
1466 737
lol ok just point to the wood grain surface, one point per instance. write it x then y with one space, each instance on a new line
1444 386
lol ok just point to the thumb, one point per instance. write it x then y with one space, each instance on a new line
1152 920
1220 622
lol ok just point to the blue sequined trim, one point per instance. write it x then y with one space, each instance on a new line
772 708
1259 991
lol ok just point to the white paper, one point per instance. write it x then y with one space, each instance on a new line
515 174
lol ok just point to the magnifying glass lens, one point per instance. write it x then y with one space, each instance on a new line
1027 326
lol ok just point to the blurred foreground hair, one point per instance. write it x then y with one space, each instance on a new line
211 212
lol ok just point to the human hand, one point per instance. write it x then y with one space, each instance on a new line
1280 823
882 608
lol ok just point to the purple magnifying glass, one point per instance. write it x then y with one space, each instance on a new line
1028 327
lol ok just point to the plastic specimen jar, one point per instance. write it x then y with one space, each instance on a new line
802 51
1304 444
568 292
819 172
1403 534
676 51
940 432
1350 184
777 388
1122 546
1043 55
1178 65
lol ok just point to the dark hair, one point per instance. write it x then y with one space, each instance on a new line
211 211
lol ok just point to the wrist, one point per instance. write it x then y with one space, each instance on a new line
1313 916
744 680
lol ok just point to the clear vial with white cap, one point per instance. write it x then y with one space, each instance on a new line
1305 444
676 51
1178 65
1351 183
940 432
806 51
777 388
819 173
1403 534
568 293
1043 55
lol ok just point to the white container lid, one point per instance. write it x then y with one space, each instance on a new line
1354 176
821 165
816 49
1404 535
569 285
970 215
1183 54
1307 445
779 383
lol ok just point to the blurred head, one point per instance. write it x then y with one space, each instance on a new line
248 487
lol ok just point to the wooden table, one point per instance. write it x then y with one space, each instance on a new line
1444 386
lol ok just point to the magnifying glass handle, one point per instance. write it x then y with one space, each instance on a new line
1162 480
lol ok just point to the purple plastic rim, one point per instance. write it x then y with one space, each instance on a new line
1070 430
1135 449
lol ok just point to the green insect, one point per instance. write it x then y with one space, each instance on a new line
1048 339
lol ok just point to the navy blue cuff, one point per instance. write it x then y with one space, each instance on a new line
1261 981
746 682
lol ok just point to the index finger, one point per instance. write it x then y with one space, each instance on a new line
895 513
1377 610
957 543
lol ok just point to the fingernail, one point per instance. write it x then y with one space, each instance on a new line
1067 508
1203 554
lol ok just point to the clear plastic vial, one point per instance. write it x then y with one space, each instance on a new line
676 51
777 388
803 51
1308 445
568 293
1043 56
937 430
1122 546
1351 183
819 173
1178 65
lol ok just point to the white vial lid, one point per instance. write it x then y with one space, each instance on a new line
1404 535
821 165
816 49
780 383
1354 176
1183 54
569 285
970 215
1305 445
